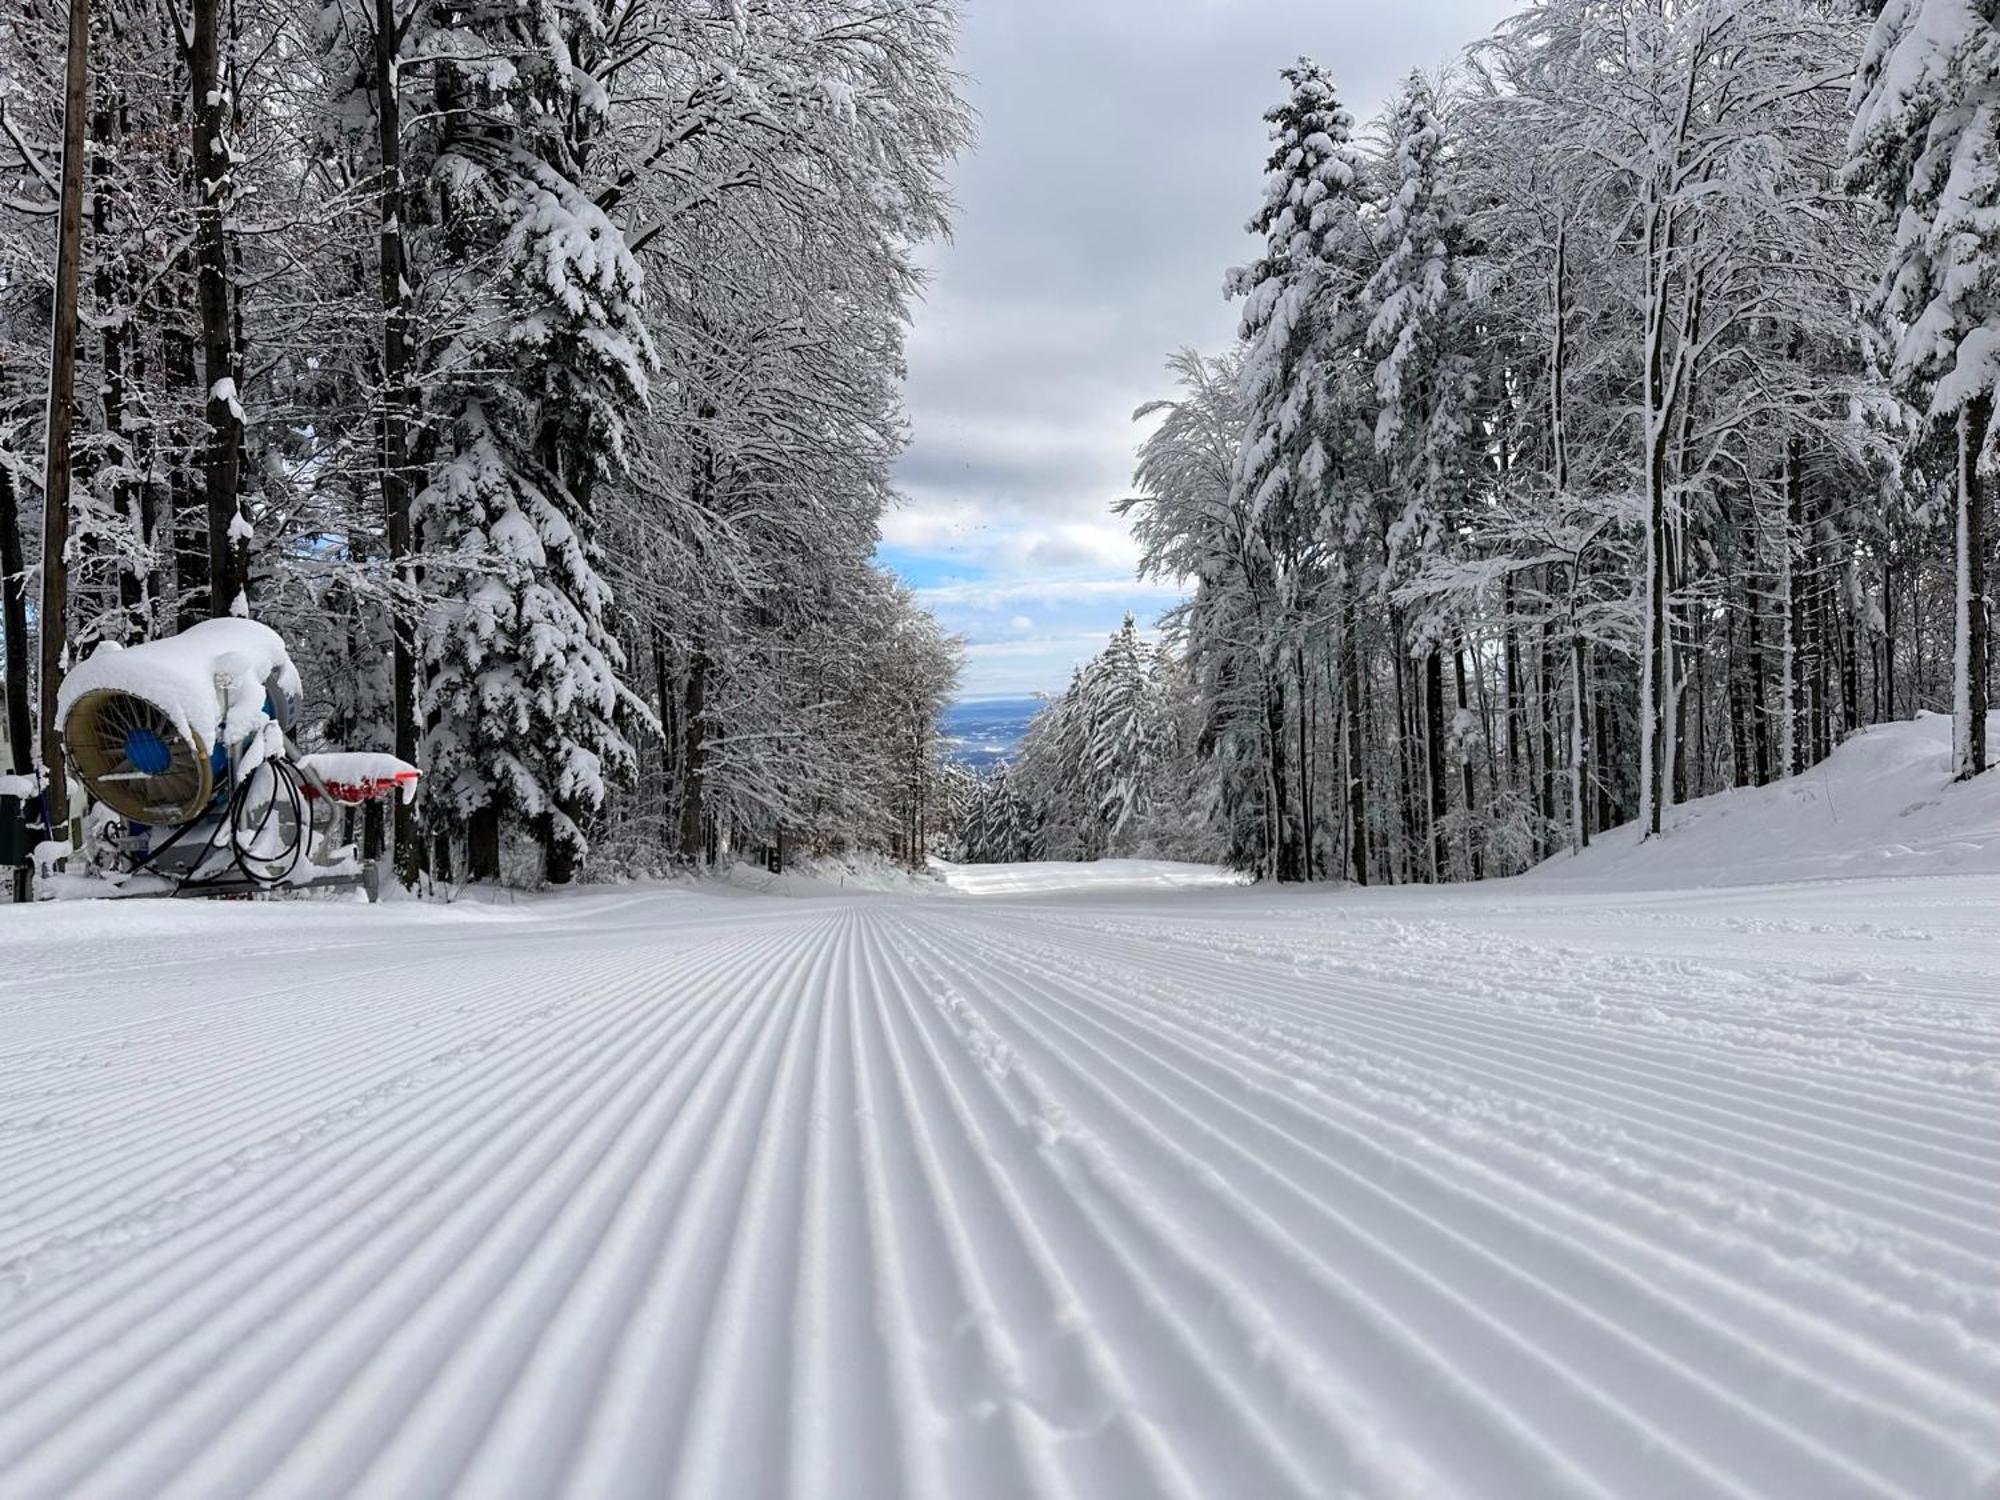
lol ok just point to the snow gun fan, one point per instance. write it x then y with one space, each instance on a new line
185 744
132 758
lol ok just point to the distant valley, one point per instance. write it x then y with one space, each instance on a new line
982 731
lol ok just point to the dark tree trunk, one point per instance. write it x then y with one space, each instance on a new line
1799 721
693 725
1974 421
1607 801
14 637
669 743
114 333
142 596
1407 769
1734 688
1585 741
1305 765
1467 785
559 864
1434 759
1547 678
1511 651
189 515
14 622
1283 857
1654 717
482 843
1760 717
392 424
1885 680
1357 789
228 552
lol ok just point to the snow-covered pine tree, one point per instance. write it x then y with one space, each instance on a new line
1926 144
1418 337
523 693
1125 730
1299 306
1415 298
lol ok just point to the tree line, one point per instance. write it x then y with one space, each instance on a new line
1608 427
534 369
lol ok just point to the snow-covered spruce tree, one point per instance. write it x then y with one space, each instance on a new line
522 692
1425 382
992 819
1106 768
1127 728
1926 144
1419 333
1298 298
1054 776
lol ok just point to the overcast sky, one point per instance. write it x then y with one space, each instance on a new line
1121 150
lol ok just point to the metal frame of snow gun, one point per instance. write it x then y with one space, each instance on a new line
260 835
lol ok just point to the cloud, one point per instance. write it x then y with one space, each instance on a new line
1049 591
1121 152
1038 664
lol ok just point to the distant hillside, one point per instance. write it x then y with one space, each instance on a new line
985 730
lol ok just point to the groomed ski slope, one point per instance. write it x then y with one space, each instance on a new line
1134 1188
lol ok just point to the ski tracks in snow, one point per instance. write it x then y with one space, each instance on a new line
1085 1197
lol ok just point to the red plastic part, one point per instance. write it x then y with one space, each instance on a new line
354 793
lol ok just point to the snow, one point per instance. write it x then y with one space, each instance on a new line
1103 1180
224 390
1884 803
178 675
1102 874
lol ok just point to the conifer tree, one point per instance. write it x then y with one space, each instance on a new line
1424 387
1298 306
523 689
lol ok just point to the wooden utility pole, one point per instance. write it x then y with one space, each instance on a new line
62 407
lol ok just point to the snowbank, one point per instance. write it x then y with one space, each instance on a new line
1883 803
178 674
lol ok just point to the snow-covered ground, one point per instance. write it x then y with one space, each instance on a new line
1556 1187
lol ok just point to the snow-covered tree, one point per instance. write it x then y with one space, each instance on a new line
1926 143
1299 305
1419 334
523 686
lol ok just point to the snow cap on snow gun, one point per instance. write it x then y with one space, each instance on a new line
151 727
356 776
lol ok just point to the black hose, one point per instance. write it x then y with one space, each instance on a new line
286 777
289 781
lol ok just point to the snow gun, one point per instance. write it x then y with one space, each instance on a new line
186 743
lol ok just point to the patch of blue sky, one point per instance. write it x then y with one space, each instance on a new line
1025 631
921 569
